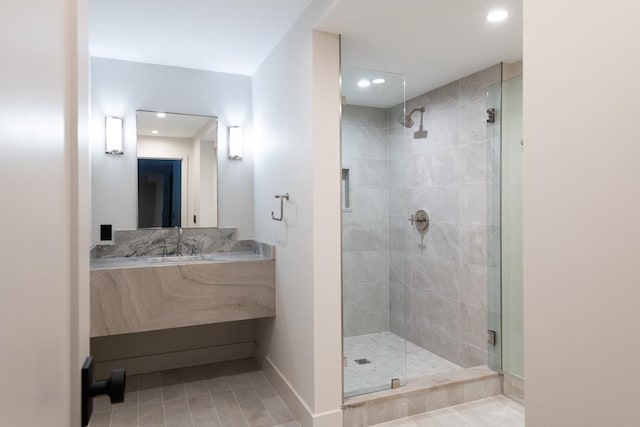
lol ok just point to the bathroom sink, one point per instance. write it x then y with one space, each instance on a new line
176 258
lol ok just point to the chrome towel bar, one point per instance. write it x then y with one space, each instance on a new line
282 198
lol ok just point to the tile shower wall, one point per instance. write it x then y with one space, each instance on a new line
366 226
445 274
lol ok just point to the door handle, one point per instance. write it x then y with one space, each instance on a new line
113 387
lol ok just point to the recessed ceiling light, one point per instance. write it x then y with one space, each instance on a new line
377 81
497 15
161 115
154 132
364 83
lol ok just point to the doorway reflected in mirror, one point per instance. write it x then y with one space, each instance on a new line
159 193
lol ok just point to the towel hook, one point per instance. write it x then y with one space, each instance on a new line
282 198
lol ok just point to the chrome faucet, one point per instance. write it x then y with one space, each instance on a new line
179 245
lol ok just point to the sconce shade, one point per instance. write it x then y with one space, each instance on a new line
113 130
235 143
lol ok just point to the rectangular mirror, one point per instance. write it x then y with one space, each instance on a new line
177 170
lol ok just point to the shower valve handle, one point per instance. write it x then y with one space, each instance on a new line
413 219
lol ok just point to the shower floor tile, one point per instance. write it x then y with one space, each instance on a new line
386 352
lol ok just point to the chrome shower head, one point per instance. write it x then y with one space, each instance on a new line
406 121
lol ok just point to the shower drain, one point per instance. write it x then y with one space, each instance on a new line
362 361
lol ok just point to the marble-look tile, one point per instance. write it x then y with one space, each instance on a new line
253 408
369 323
442 345
355 115
228 410
368 205
473 122
129 299
472 356
473 88
416 403
216 385
365 266
376 413
436 166
443 130
443 98
203 413
482 389
365 235
395 408
473 285
473 162
195 388
491 412
150 388
440 276
442 241
177 413
151 415
440 202
473 244
363 142
398 173
125 417
473 325
363 298
355 417
369 174
473 203
173 392
290 424
279 411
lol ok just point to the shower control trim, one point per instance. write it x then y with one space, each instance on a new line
421 220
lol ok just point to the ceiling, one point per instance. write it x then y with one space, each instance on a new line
431 42
175 125
231 36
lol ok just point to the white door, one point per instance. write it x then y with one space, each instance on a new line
44 239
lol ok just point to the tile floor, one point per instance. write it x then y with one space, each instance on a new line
497 411
227 394
386 351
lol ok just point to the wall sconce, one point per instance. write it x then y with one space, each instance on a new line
113 131
235 143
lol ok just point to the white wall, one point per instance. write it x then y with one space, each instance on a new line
44 322
297 150
581 210
119 88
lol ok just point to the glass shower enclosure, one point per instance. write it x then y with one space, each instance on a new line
505 154
372 208
430 208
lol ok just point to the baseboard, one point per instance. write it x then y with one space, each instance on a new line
513 386
177 359
295 402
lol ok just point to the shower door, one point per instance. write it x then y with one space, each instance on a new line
373 224
494 282
505 227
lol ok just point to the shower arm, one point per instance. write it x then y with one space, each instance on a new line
421 109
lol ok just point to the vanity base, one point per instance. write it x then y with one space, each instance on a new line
126 300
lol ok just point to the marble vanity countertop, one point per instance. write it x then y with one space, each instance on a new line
144 261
